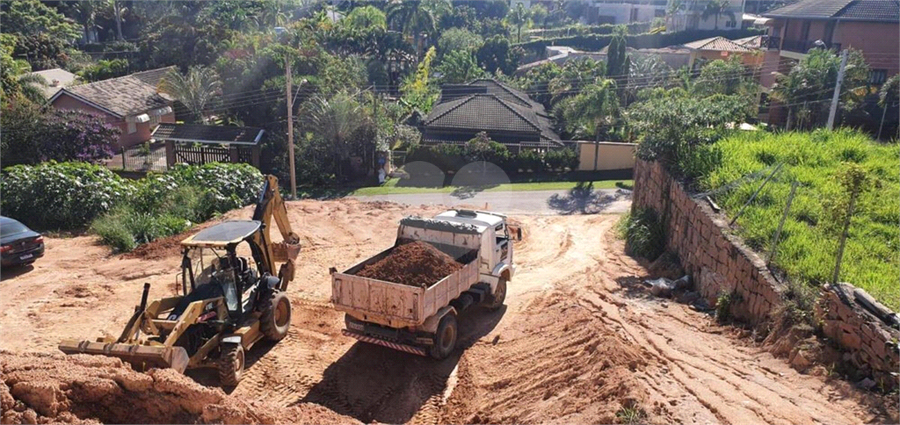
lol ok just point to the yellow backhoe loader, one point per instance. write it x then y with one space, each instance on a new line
230 299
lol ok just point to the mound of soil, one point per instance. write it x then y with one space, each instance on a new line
53 388
412 264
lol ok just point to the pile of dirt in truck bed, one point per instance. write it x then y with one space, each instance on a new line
413 264
53 388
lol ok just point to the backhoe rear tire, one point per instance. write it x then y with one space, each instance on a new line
445 337
275 319
231 365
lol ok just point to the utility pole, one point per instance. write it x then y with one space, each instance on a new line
290 125
837 90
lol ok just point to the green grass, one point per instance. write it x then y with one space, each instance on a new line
391 188
809 240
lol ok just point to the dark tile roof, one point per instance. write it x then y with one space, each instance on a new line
212 134
122 96
153 76
490 113
860 10
503 91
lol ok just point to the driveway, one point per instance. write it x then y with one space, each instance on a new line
580 200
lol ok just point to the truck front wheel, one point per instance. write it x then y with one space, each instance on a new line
496 300
445 337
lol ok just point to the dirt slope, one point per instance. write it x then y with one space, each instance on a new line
579 341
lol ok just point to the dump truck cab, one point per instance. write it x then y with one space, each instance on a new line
496 249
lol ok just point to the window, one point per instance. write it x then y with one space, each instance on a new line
154 120
877 76
132 128
731 24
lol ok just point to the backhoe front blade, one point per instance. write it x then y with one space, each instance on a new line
141 357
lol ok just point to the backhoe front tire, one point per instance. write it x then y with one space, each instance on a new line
231 365
275 319
445 337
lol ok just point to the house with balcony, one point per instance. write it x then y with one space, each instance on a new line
133 103
870 26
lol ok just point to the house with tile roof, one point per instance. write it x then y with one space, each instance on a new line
870 26
133 103
710 49
506 114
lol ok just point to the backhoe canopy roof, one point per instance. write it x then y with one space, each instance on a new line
223 234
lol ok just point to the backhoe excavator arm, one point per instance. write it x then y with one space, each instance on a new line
270 205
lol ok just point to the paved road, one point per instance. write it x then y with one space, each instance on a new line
539 202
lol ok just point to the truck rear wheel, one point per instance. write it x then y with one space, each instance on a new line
231 365
275 319
445 337
499 296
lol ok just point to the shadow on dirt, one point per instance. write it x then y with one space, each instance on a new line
9 272
377 384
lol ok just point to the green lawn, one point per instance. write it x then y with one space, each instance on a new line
391 188
809 240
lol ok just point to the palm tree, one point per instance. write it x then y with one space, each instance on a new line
412 19
335 120
518 17
195 90
717 8
594 108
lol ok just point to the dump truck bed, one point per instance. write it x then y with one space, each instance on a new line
397 305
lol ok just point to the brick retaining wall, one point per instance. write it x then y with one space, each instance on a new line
719 262
716 259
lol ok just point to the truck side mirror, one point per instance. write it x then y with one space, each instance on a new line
519 233
332 270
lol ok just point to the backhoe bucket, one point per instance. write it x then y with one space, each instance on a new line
141 357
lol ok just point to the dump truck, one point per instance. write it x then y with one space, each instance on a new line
231 298
422 320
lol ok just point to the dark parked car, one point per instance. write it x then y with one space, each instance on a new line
19 245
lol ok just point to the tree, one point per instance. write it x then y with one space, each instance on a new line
591 111
646 71
496 54
31 136
887 97
418 90
196 89
459 39
412 19
31 17
717 8
117 15
539 15
726 77
338 124
575 75
617 57
518 17
536 81
807 90
16 79
366 18
459 67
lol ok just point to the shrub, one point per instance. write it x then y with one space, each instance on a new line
124 228
113 232
643 232
560 159
61 196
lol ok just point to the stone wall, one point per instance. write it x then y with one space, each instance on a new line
719 263
871 346
717 259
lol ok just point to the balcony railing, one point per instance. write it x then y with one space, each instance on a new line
803 46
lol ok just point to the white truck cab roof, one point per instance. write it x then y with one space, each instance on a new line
481 219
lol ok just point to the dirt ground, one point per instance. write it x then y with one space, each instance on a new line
579 341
